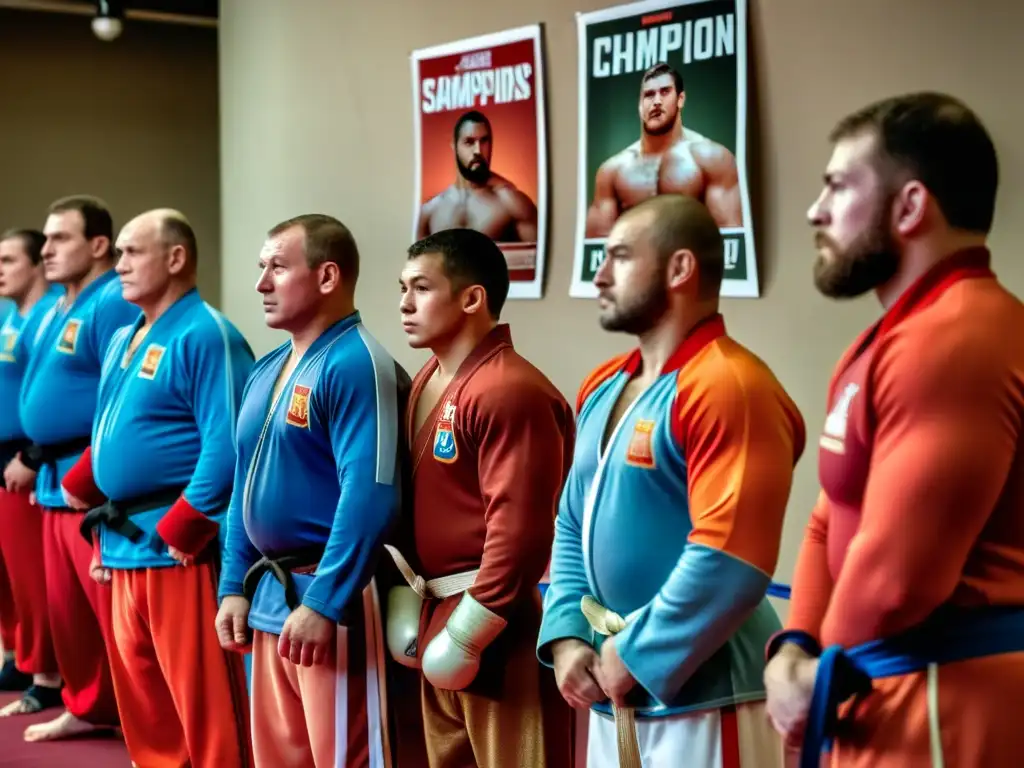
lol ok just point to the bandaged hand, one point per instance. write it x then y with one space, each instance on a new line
576 663
307 637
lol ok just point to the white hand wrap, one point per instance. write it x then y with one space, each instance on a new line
452 659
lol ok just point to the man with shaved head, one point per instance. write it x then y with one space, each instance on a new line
157 479
669 525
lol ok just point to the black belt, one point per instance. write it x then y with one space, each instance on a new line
281 567
116 514
35 456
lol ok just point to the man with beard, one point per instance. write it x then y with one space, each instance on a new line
669 525
667 159
479 198
910 581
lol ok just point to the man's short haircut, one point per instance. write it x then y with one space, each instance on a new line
326 239
32 240
939 141
681 222
470 117
94 212
662 69
470 258
176 230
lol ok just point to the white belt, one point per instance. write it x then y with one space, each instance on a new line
609 624
436 589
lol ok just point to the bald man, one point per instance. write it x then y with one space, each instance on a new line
157 479
670 522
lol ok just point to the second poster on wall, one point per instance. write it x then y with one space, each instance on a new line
663 109
481 147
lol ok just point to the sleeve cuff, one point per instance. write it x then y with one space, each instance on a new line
79 483
797 637
186 529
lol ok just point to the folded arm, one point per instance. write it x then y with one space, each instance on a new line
741 442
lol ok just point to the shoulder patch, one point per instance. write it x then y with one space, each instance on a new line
445 448
151 361
67 342
298 408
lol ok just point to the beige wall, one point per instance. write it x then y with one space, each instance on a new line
134 121
316 115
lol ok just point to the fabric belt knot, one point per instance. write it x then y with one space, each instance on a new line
609 624
281 568
950 635
432 589
115 515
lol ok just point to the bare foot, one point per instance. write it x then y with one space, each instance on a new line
63 727
18 707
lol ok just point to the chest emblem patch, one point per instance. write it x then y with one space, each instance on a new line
68 340
298 408
640 451
833 436
445 448
10 340
151 361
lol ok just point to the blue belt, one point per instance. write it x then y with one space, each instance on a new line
950 635
780 591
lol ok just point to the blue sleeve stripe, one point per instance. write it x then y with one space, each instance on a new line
388 428
229 374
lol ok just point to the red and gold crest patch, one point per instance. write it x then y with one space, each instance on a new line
298 408
640 451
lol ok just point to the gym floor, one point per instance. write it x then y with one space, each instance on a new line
92 752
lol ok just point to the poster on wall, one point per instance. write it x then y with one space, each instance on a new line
663 109
481 147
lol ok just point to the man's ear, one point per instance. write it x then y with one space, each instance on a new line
474 299
330 277
682 269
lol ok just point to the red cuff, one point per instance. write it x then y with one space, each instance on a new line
186 529
78 481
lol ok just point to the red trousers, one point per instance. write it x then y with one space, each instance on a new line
21 549
183 699
79 611
8 616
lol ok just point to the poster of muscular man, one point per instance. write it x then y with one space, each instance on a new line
481 147
663 109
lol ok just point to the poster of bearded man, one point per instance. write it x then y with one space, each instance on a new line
481 147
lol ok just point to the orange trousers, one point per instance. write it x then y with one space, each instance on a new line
182 698
332 715
21 548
